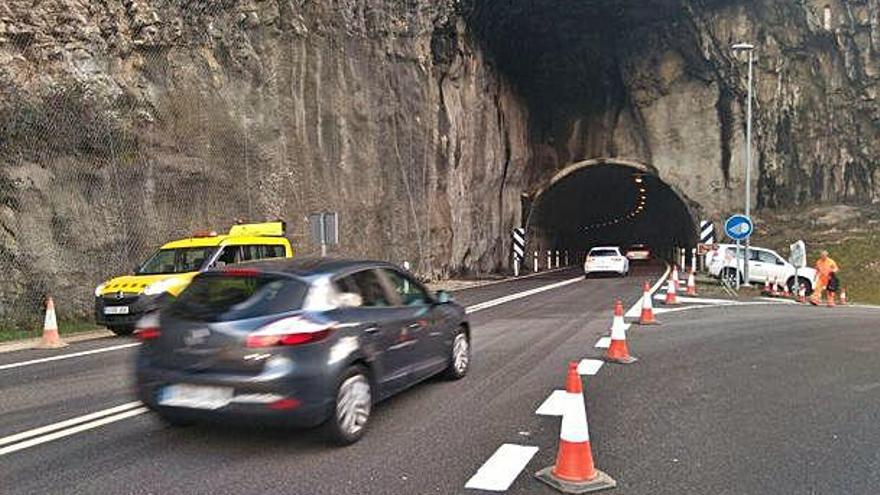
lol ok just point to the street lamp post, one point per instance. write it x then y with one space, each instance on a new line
749 48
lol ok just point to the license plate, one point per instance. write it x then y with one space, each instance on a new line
116 310
195 396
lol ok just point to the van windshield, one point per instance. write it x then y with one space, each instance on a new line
219 296
179 260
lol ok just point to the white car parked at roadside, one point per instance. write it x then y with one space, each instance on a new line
606 259
764 264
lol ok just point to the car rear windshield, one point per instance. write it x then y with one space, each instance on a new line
604 252
224 297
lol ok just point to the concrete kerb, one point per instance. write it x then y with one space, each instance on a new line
23 345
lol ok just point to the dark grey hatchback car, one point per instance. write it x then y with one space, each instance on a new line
297 342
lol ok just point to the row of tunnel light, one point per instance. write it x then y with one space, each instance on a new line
638 209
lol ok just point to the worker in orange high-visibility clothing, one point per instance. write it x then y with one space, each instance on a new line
825 266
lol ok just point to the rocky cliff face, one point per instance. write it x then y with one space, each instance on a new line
131 122
657 82
128 122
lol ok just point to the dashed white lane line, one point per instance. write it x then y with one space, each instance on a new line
519 295
61 429
67 356
502 468
589 366
603 343
554 404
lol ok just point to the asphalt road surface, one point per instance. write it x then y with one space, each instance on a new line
746 399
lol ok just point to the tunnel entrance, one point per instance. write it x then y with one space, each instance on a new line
600 202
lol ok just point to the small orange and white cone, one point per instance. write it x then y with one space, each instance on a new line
767 289
691 284
50 339
675 278
843 300
647 316
574 471
618 350
671 296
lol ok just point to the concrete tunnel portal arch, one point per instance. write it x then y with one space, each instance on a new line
608 202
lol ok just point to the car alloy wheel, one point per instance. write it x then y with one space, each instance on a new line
460 354
353 404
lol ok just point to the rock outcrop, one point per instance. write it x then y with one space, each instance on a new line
129 122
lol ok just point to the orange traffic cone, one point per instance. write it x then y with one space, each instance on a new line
675 278
671 297
767 290
618 350
50 339
647 316
574 471
691 285
843 300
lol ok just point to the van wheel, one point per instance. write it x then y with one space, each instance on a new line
122 330
351 407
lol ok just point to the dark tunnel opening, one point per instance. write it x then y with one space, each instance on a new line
609 204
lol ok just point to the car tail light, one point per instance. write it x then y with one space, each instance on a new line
147 333
295 330
285 404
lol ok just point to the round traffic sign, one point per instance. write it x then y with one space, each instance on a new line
739 227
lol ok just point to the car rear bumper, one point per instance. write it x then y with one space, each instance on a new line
605 269
255 402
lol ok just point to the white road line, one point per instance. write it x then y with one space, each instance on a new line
603 343
519 295
589 366
500 470
67 356
470 309
72 431
636 310
66 423
696 300
554 404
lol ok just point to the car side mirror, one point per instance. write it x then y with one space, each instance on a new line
350 300
443 297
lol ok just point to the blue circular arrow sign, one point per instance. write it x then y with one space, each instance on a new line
739 227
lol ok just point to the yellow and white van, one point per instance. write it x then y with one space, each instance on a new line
120 302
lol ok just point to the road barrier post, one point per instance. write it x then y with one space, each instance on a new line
536 262
549 260
515 266
557 258
566 257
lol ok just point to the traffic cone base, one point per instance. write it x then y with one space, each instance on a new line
601 481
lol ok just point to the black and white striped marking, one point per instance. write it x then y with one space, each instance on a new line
519 243
707 232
